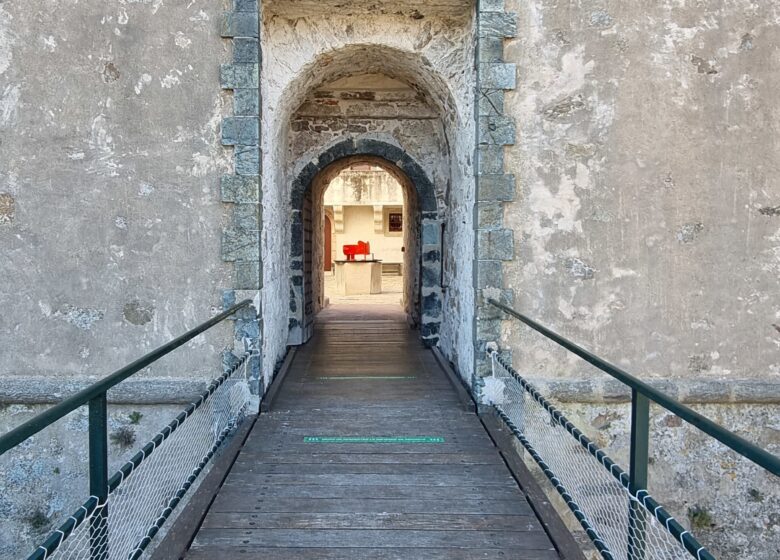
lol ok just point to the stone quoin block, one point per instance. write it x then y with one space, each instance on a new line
247 160
497 76
245 6
247 275
240 24
491 5
496 244
238 244
489 274
431 234
240 189
431 276
497 24
491 49
496 130
246 50
431 305
247 217
246 102
490 102
490 159
243 131
496 187
490 215
235 76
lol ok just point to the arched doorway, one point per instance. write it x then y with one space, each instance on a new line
422 240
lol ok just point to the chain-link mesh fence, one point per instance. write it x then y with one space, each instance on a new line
621 524
145 491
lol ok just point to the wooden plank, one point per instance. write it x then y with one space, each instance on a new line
407 521
460 505
252 553
326 538
326 458
236 491
442 469
253 480
463 395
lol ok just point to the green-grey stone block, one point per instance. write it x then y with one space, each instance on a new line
490 215
490 159
240 130
240 24
496 187
488 311
498 24
236 188
488 329
240 245
247 275
247 160
490 274
496 244
244 75
491 102
501 75
247 217
246 102
491 49
430 234
491 5
245 6
246 50
496 130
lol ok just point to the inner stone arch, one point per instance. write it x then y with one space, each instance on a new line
422 260
391 102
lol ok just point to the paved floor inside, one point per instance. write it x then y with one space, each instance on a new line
368 454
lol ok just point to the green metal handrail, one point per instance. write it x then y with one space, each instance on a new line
96 397
641 393
98 390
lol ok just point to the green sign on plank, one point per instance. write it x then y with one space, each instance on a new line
373 439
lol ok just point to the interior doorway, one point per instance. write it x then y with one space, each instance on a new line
366 252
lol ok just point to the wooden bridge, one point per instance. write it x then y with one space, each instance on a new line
369 453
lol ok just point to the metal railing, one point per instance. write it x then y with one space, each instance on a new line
642 529
189 441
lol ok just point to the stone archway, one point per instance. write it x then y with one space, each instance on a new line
425 309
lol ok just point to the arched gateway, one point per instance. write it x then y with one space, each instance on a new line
423 239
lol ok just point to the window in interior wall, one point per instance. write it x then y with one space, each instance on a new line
395 222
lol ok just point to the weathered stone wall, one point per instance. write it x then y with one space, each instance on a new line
646 229
646 216
110 210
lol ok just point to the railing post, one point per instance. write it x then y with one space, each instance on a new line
98 476
640 442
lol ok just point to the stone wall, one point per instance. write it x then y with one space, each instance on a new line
110 205
646 229
645 216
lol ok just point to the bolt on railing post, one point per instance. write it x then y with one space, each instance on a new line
98 476
640 442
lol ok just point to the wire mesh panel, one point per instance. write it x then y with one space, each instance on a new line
622 525
144 492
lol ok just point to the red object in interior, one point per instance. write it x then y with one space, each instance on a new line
362 248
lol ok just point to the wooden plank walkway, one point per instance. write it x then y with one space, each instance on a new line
445 494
